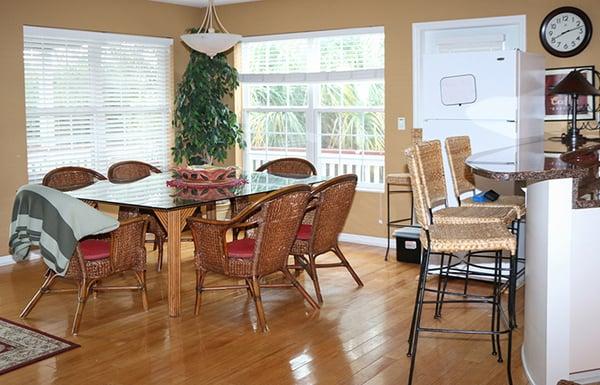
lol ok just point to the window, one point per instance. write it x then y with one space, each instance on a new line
318 96
93 99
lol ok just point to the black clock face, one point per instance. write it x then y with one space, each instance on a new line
566 31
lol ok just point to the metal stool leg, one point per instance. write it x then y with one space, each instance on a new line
419 309
387 250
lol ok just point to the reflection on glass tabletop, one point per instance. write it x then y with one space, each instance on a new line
152 192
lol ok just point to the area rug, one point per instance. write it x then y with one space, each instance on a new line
21 345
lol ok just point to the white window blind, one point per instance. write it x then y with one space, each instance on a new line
319 96
93 99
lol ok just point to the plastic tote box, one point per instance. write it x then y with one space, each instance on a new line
408 245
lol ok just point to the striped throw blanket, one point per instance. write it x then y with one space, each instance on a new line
55 222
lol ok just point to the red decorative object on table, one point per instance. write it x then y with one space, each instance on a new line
207 174
205 182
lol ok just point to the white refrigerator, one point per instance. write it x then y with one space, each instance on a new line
495 97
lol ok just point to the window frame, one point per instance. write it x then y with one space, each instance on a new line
105 119
313 108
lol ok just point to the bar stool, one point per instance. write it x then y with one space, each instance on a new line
399 183
449 238
458 149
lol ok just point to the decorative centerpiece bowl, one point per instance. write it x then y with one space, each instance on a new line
208 175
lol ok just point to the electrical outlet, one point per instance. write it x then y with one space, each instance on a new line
401 123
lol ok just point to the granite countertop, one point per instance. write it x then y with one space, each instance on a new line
546 159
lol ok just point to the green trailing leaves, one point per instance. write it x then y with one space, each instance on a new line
205 128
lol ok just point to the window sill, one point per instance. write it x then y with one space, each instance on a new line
377 190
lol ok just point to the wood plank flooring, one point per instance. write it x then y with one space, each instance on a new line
358 337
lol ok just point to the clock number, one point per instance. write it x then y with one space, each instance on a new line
553 26
572 44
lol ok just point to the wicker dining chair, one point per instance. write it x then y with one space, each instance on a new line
131 171
330 205
274 221
286 167
446 239
98 259
72 178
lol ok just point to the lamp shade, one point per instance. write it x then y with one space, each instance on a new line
211 43
575 84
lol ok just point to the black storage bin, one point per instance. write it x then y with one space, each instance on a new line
408 245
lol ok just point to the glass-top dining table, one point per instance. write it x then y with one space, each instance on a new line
174 205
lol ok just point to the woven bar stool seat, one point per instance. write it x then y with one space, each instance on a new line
450 238
398 179
515 202
458 149
475 215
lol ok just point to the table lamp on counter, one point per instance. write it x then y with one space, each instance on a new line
575 85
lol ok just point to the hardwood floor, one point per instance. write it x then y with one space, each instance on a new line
358 337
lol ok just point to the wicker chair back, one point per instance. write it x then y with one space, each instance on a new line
333 202
130 171
420 205
431 169
127 246
291 167
279 219
71 178
458 149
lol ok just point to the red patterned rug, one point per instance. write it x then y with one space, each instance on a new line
21 345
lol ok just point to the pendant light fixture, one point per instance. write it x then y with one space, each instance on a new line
207 40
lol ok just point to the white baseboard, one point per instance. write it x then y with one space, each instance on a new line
344 237
7 260
366 240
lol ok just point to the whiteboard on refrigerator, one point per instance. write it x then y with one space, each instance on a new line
458 89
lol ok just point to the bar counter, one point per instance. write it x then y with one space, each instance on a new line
562 252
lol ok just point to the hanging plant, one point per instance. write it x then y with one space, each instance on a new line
205 127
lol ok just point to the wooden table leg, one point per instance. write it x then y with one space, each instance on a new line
174 261
174 221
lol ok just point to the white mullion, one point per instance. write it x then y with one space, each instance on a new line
312 127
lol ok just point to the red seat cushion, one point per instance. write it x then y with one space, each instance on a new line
93 249
304 232
242 248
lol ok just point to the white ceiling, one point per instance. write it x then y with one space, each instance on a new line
202 3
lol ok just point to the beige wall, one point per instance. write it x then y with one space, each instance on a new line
264 17
285 16
139 17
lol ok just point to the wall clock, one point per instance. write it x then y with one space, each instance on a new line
566 31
